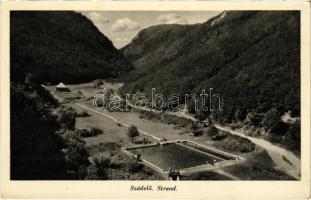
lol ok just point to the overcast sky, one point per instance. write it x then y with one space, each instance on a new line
122 26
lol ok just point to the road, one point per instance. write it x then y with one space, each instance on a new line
284 159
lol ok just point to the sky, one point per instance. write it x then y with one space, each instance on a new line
122 26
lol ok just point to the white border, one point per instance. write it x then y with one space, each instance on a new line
186 190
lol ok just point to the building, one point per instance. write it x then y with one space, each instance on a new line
61 87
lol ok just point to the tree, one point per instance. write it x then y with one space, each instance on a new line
280 128
191 106
67 118
98 83
194 126
96 131
212 131
132 131
76 155
292 137
30 80
201 115
271 118
36 151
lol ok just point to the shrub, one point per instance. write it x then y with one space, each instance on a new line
234 126
219 137
164 117
170 119
98 83
148 171
90 133
212 131
194 126
83 114
132 131
102 166
292 137
83 132
134 167
280 128
115 162
76 155
67 118
102 162
197 132
270 118
200 115
237 143
92 173
96 131
99 102
255 118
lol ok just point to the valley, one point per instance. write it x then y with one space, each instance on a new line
115 126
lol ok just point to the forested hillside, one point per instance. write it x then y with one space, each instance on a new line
52 47
252 59
61 46
44 145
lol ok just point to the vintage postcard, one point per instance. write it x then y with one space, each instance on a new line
192 100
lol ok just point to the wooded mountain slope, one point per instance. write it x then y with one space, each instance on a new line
61 46
252 59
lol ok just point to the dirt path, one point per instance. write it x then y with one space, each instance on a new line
285 160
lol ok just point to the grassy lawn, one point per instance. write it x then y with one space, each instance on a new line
258 166
113 132
158 128
132 118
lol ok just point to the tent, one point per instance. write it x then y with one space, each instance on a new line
61 87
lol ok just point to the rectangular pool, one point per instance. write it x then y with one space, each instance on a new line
175 156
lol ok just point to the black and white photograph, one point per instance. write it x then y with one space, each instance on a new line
161 100
155 95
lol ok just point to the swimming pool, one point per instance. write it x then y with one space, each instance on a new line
175 156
